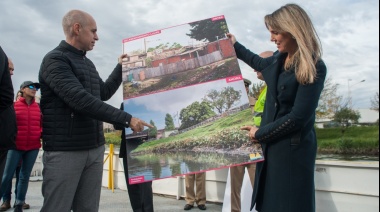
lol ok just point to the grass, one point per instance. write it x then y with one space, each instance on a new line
211 135
113 138
356 140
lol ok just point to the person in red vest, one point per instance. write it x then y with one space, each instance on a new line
28 117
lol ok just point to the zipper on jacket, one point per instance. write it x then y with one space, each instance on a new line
27 139
71 124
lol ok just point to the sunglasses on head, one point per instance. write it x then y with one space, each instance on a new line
32 87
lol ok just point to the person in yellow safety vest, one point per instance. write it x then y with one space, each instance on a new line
237 172
259 106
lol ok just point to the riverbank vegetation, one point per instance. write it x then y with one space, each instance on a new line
356 140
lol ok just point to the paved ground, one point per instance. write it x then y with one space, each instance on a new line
114 202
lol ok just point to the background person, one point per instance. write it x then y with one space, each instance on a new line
8 128
73 110
28 143
295 78
260 103
237 172
8 193
140 195
199 197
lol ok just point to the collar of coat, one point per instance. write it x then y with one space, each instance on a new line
23 100
72 49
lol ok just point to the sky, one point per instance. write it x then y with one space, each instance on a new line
348 29
156 106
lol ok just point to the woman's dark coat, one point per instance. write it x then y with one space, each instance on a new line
285 180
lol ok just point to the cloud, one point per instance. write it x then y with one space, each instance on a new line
348 29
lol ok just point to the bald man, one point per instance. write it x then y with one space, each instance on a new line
73 114
237 172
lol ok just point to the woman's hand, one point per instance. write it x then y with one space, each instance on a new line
120 59
232 38
252 132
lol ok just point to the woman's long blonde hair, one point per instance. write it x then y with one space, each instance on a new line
293 19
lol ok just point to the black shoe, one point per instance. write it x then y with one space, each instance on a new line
25 206
18 208
188 207
202 207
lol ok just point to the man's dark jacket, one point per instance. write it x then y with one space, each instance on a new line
72 95
8 128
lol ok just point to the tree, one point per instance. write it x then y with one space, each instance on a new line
208 30
215 100
345 116
223 100
164 46
175 45
329 102
195 114
257 88
152 132
375 102
169 122
230 97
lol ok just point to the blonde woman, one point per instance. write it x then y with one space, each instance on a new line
295 77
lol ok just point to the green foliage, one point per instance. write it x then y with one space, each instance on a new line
232 122
357 140
113 138
346 115
230 96
152 132
215 100
175 45
148 62
226 139
208 30
164 46
257 88
169 122
330 101
223 100
195 114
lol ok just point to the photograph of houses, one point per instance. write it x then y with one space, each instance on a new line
177 57
190 88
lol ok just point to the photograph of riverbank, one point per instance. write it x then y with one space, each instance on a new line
191 123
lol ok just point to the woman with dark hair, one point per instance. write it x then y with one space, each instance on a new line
295 77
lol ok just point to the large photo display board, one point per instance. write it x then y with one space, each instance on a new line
186 82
